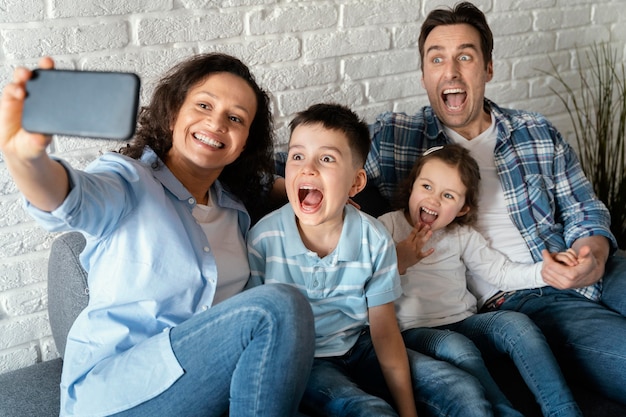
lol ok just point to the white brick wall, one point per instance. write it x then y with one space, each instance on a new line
361 53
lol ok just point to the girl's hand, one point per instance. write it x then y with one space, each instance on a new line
410 250
569 257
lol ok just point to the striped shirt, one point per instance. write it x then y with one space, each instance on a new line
360 273
547 195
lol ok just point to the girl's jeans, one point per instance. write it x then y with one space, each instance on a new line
497 333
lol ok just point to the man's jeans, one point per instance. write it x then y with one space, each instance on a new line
587 337
353 385
249 355
495 334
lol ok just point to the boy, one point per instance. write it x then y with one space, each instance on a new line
344 262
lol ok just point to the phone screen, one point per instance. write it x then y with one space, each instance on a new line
82 103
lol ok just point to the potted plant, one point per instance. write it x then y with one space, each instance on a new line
597 108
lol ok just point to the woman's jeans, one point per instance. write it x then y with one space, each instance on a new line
250 355
588 338
497 333
353 385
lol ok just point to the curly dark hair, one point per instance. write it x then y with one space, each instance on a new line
250 176
457 157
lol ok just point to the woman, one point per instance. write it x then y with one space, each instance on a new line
167 330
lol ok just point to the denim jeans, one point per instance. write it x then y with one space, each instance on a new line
587 337
513 334
250 355
353 385
458 350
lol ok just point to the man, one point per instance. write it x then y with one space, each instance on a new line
535 199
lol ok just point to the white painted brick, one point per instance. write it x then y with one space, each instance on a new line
546 20
511 23
260 51
293 18
14 11
31 238
548 106
333 44
7 185
49 40
149 63
13 212
22 330
606 13
23 272
18 358
534 43
347 94
571 38
508 5
27 300
185 27
295 76
537 65
506 92
380 12
393 88
358 68
207 4
411 105
73 8
407 36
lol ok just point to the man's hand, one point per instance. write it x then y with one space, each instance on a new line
582 265
410 250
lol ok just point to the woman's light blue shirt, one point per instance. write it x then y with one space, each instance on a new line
150 268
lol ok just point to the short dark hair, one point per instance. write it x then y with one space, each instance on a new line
247 177
341 118
457 157
464 12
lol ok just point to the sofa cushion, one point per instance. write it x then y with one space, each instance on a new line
68 292
31 391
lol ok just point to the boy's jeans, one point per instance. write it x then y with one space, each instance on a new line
353 385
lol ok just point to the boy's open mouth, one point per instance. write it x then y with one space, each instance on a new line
310 198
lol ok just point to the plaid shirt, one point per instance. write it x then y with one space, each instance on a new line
547 194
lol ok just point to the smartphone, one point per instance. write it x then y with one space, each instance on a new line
94 104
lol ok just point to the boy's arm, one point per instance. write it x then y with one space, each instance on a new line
392 357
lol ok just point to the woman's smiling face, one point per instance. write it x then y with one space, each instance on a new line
213 123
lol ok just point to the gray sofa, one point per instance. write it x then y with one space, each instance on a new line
34 391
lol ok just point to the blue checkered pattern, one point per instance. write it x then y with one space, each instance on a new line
548 197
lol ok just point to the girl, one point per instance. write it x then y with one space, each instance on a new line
437 313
